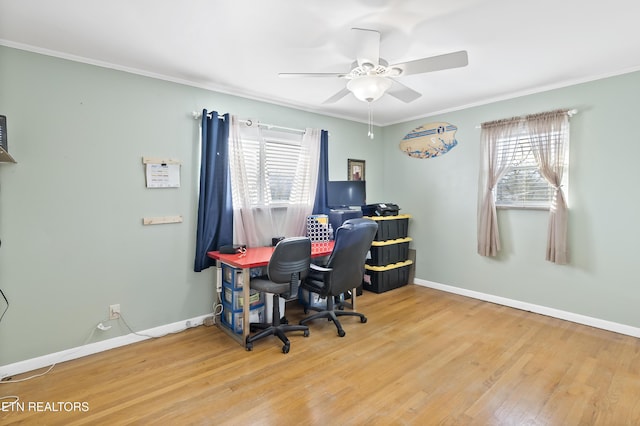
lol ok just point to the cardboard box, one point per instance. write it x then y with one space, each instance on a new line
318 228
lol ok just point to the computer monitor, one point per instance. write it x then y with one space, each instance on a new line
345 193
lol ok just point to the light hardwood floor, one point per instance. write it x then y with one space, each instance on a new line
424 357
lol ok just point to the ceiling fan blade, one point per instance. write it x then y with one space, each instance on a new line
335 98
434 63
367 44
310 74
402 92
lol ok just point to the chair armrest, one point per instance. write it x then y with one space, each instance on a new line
318 279
318 268
320 273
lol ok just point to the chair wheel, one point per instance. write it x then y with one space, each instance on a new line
249 346
285 349
363 319
306 333
284 320
341 333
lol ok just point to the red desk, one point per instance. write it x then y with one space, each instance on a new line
254 258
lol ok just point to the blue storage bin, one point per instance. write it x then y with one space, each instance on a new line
233 318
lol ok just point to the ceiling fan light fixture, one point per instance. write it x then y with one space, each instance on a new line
367 66
395 72
369 88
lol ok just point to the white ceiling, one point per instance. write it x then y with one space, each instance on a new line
240 46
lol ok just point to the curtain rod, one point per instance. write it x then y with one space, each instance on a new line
198 115
570 113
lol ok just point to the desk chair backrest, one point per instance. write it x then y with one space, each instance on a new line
290 260
352 243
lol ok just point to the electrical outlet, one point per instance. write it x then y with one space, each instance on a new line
114 311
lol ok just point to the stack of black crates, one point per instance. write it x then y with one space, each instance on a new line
389 265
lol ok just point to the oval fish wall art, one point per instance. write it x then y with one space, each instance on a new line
429 140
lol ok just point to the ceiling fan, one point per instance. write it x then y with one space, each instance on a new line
371 77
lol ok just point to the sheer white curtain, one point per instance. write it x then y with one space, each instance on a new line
247 226
549 145
493 164
257 218
304 193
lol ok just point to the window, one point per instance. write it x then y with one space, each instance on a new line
509 179
522 185
272 165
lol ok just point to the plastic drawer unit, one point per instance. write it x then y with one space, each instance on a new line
233 303
233 319
232 277
234 297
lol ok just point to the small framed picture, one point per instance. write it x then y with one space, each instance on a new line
355 169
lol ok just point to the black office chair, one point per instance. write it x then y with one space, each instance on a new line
289 263
343 272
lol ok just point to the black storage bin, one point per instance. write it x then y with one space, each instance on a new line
391 227
379 279
387 252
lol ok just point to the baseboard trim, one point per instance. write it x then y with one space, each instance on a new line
538 309
92 348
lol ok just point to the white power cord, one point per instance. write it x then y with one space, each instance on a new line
99 326
10 404
6 381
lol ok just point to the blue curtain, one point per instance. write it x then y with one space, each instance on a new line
215 208
320 205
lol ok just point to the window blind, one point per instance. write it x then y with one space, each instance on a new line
272 167
522 185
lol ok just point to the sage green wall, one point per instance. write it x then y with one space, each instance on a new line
604 228
71 210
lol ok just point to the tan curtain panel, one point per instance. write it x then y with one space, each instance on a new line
549 147
494 163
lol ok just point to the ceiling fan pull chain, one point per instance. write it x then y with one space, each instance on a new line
370 132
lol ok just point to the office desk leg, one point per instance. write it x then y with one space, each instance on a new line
246 306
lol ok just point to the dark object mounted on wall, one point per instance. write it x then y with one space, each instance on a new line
4 144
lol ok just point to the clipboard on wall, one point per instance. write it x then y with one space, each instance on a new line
162 172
